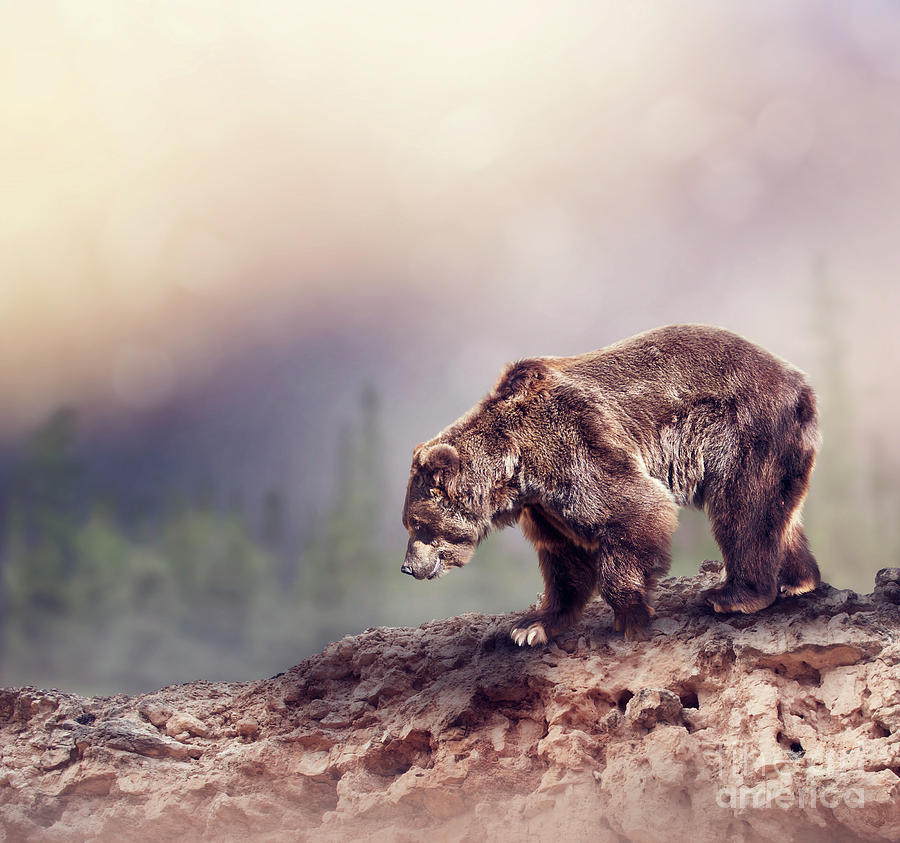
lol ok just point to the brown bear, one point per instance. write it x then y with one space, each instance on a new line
593 455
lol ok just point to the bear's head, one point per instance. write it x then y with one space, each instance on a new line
441 535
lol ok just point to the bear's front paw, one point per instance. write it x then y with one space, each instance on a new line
532 634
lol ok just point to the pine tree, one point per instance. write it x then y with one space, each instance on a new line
344 558
274 537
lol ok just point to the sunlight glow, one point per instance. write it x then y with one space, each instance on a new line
183 175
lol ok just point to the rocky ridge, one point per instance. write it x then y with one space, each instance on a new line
781 725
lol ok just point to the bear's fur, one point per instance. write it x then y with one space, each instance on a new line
593 454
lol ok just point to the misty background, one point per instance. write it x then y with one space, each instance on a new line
252 253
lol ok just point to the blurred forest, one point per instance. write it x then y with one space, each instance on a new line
98 597
102 599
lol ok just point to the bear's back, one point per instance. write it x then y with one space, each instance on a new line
682 362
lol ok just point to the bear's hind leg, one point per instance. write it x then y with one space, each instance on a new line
570 578
751 566
748 526
799 572
756 522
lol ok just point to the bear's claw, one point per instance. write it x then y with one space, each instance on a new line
803 587
531 635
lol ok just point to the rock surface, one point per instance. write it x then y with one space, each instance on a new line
783 725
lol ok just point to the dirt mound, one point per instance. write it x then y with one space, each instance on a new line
781 725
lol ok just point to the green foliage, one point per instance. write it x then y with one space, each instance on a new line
91 606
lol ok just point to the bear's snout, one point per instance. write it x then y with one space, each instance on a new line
419 561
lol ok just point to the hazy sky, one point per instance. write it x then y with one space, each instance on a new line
180 181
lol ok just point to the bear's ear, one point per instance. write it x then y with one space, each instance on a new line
442 464
522 378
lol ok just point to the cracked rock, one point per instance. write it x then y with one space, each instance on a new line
650 706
